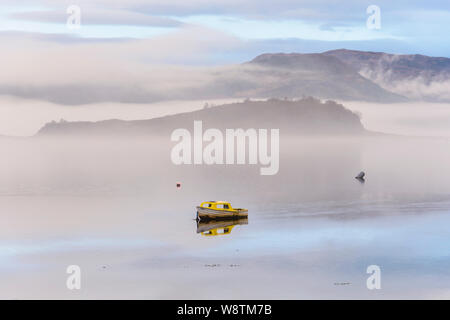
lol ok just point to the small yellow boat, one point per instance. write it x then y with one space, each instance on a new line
219 210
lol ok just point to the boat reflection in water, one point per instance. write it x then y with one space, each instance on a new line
218 227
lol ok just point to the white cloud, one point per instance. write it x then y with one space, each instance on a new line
98 17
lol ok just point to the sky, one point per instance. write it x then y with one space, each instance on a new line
256 26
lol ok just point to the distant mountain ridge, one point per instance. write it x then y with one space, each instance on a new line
399 66
301 117
319 75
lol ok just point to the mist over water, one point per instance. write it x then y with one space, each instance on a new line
414 118
15 112
111 206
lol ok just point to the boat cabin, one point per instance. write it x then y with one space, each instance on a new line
216 205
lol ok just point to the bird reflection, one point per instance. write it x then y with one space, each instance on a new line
361 180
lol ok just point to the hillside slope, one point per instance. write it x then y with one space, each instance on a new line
307 116
319 75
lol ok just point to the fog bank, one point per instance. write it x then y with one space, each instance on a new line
412 119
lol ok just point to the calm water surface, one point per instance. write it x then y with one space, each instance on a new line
312 229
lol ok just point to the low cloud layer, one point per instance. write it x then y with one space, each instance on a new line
417 88
128 70
174 66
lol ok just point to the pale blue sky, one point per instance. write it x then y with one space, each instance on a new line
261 26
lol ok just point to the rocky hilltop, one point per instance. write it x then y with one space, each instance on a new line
306 116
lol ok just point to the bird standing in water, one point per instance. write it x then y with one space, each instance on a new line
360 177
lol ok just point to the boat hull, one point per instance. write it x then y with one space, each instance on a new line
211 214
